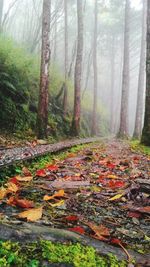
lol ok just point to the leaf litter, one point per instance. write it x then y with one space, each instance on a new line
94 192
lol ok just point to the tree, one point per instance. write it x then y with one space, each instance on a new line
1 12
146 130
42 116
78 72
123 131
141 79
66 57
94 115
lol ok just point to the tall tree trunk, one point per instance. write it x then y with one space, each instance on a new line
1 13
123 131
42 116
141 81
94 115
112 104
78 71
66 58
146 130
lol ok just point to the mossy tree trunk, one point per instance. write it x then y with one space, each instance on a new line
123 130
146 130
141 81
78 72
65 99
42 116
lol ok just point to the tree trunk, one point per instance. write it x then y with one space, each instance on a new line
42 116
94 115
112 69
146 130
141 81
66 57
78 72
1 13
123 131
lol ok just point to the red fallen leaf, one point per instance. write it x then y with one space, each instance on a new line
41 173
71 218
14 180
77 229
52 167
116 184
134 214
111 165
23 203
115 241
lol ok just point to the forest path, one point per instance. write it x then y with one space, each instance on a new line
101 192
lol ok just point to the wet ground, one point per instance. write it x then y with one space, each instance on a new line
103 192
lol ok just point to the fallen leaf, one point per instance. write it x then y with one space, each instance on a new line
112 176
3 193
77 229
23 203
111 165
32 215
11 187
52 167
26 172
134 214
71 218
100 231
141 209
60 193
116 184
14 181
24 179
60 203
41 173
116 197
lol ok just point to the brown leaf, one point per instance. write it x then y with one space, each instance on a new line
24 179
31 215
26 172
23 203
100 231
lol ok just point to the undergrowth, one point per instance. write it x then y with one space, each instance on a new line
44 252
137 146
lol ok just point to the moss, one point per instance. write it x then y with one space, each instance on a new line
35 254
137 146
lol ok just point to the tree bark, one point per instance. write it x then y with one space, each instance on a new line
42 116
78 72
1 13
94 115
112 69
146 130
66 57
123 131
141 81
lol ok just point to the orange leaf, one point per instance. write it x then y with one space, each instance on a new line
60 193
3 193
23 203
31 215
11 187
52 167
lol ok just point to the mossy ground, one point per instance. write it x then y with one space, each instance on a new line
44 252
137 146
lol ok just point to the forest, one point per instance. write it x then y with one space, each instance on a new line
74 133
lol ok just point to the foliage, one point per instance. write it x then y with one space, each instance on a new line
34 254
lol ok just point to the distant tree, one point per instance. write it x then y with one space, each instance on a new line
141 79
1 12
42 116
146 130
123 131
78 72
94 115
66 57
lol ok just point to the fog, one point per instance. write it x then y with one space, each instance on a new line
22 22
